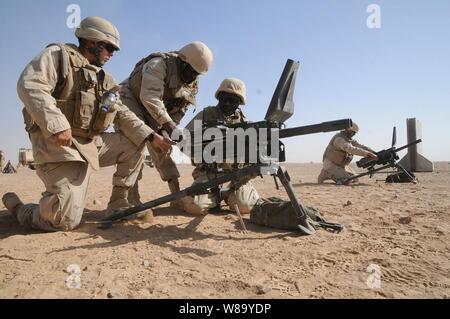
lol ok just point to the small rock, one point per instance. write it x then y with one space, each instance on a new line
85 268
262 290
348 203
97 202
113 294
405 220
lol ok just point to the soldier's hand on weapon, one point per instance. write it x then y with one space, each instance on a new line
162 143
169 127
373 156
63 138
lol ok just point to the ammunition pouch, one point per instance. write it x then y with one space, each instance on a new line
87 119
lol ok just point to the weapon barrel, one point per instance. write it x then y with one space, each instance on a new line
316 128
408 145
197 189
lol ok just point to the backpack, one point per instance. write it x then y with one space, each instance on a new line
278 213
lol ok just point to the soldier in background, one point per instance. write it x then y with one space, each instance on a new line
70 101
159 91
339 154
230 94
2 160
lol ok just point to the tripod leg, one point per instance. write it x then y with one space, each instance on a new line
276 183
411 178
298 206
238 212
371 172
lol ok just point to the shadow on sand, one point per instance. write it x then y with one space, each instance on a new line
125 232
328 185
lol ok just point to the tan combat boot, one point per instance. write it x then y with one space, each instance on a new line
135 200
118 200
174 187
322 177
133 195
12 202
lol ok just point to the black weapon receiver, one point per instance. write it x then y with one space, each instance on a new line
280 109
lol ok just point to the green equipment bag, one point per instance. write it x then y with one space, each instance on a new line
400 177
278 213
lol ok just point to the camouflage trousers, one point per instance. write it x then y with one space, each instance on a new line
66 183
334 172
164 164
245 197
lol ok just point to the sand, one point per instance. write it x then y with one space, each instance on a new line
399 230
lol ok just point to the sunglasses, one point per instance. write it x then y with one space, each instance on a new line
108 47
229 98
190 70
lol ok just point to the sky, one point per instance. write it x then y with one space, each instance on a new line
378 77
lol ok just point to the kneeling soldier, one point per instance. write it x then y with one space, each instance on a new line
339 154
70 101
231 94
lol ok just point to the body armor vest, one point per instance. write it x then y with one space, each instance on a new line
177 94
335 155
78 93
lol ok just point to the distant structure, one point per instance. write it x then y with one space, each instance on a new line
414 161
26 158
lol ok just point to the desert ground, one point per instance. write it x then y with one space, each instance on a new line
402 230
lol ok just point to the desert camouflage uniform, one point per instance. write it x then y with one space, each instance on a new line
2 161
338 155
157 95
245 197
61 90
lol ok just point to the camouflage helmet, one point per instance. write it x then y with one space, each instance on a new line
354 128
198 55
234 86
98 29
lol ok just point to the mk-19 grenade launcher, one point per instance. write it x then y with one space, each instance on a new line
386 159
